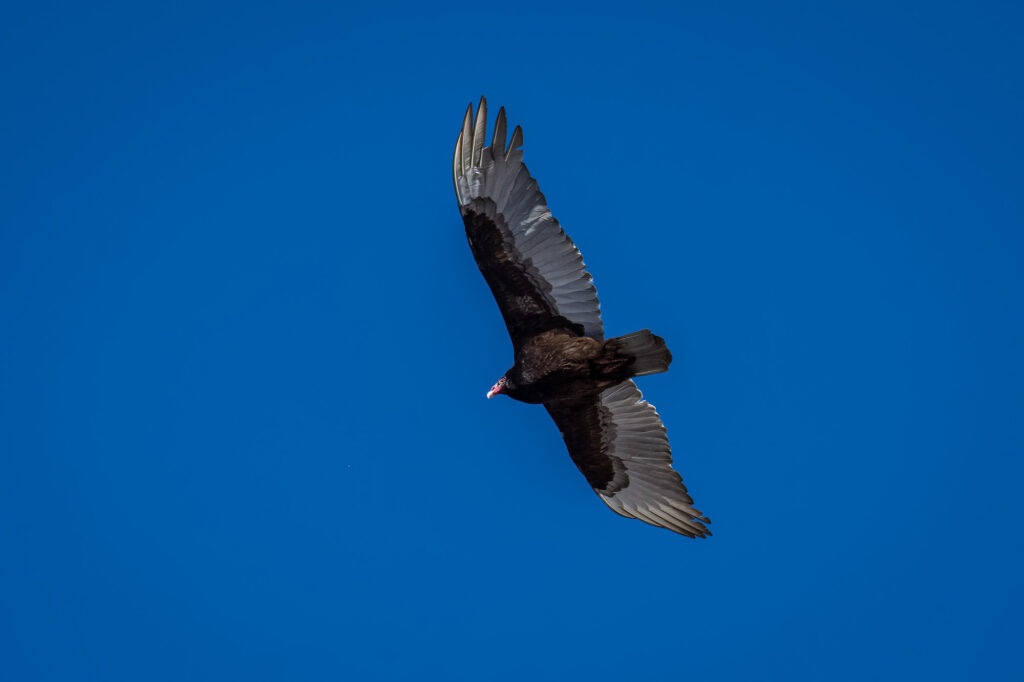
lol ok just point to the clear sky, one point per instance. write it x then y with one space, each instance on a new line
244 347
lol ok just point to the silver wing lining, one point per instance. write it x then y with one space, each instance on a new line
649 488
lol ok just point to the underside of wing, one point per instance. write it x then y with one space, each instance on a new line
619 444
536 273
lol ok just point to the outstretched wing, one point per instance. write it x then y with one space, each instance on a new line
619 444
534 270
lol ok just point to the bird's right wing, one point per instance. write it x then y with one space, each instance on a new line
619 445
534 270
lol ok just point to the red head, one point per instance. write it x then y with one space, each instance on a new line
497 388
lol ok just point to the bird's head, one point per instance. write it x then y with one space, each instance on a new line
500 387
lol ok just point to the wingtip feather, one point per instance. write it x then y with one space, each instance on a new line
500 129
516 142
479 131
467 139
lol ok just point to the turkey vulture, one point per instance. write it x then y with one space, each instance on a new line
562 359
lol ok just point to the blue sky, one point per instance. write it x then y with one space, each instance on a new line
244 346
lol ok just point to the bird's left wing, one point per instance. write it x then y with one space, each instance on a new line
534 270
619 445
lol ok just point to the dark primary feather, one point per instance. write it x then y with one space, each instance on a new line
562 360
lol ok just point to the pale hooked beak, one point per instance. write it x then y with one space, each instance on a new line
497 388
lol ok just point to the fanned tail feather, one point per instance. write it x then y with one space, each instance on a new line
651 353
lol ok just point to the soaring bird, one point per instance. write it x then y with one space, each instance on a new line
562 359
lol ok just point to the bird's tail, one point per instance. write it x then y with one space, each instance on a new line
649 350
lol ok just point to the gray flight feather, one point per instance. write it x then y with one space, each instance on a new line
494 176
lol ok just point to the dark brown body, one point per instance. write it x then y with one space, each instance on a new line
559 365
